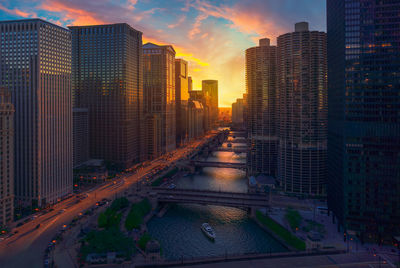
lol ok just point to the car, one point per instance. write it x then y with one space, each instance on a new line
20 224
62 211
37 226
171 186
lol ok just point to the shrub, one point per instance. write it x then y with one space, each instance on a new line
106 241
143 241
294 218
136 214
109 218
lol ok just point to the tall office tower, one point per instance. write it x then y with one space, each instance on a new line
107 78
80 137
302 95
6 157
190 84
181 93
261 90
210 92
36 68
364 116
198 95
195 119
152 139
237 112
159 90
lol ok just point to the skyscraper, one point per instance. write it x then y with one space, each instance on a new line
108 80
210 94
181 93
237 112
302 95
36 68
261 108
364 116
80 137
6 158
159 90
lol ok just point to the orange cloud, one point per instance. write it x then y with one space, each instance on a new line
77 16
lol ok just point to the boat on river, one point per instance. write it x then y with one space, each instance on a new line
208 231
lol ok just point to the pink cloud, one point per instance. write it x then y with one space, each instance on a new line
17 12
179 22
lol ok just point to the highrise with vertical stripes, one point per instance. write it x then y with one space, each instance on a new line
36 68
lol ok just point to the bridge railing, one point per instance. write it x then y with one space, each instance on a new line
206 191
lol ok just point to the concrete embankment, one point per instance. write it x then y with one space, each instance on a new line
231 258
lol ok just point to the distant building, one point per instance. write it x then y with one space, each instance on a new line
302 124
237 112
184 120
260 101
364 117
195 119
159 90
198 95
35 66
210 95
181 93
6 158
190 82
80 137
108 80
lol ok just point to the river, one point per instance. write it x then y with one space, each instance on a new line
179 229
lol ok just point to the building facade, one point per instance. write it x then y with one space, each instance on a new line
195 119
261 121
36 68
302 95
152 140
159 90
181 94
6 158
80 137
198 95
210 95
237 112
108 80
364 117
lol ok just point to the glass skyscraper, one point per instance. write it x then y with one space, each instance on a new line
159 90
210 94
181 94
364 116
36 68
107 79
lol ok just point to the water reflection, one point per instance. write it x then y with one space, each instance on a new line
179 229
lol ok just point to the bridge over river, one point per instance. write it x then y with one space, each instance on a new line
230 199
199 163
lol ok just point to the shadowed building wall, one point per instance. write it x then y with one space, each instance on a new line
261 108
108 81
364 117
36 69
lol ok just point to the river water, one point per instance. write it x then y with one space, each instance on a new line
179 229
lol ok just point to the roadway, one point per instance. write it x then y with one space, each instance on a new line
27 246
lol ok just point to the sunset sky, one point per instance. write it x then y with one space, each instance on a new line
211 35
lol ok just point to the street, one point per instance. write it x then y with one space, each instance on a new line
27 246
